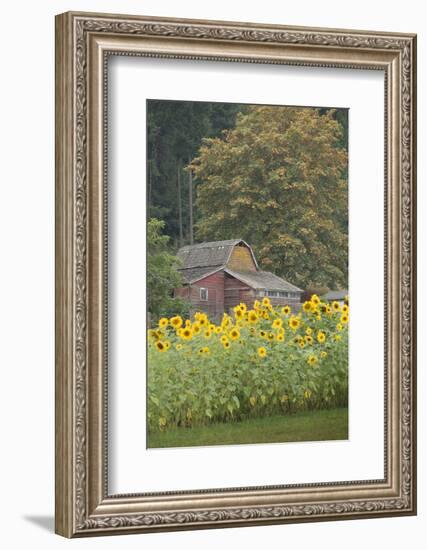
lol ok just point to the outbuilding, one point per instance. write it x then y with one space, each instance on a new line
219 275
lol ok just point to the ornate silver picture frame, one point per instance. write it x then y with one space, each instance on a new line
84 42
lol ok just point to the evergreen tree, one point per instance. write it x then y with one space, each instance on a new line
175 130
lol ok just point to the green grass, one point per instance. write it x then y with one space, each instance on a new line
320 425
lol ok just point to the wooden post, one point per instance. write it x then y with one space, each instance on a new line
190 200
149 189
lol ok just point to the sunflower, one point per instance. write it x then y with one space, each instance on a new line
312 360
197 327
243 307
280 337
163 322
294 322
226 321
266 315
336 306
262 352
153 335
204 350
263 334
308 331
339 327
178 347
270 336
337 337
257 303
234 334
186 333
308 339
321 337
226 344
277 323
207 333
266 302
252 316
188 323
344 318
286 310
203 320
224 339
307 306
176 322
161 346
218 330
315 299
301 344
344 308
323 354
238 313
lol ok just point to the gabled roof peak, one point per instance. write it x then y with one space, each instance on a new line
213 244
208 254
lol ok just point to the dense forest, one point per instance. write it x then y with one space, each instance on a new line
274 176
175 132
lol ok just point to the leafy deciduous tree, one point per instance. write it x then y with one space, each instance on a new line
162 276
279 180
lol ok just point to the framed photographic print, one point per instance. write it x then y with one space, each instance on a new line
235 274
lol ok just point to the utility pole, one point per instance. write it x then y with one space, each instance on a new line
190 200
181 236
149 189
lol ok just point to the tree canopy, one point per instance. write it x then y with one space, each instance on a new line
278 179
175 130
162 276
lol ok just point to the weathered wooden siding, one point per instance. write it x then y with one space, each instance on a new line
236 292
183 292
241 259
295 303
214 305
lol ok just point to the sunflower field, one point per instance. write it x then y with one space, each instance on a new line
256 362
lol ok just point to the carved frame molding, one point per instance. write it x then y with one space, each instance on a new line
83 43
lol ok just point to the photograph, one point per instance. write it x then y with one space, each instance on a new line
247 273
225 193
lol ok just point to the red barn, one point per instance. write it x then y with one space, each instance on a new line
219 275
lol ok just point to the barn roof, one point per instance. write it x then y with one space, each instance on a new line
211 254
194 274
263 280
335 295
200 260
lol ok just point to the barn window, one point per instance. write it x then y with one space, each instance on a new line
204 294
